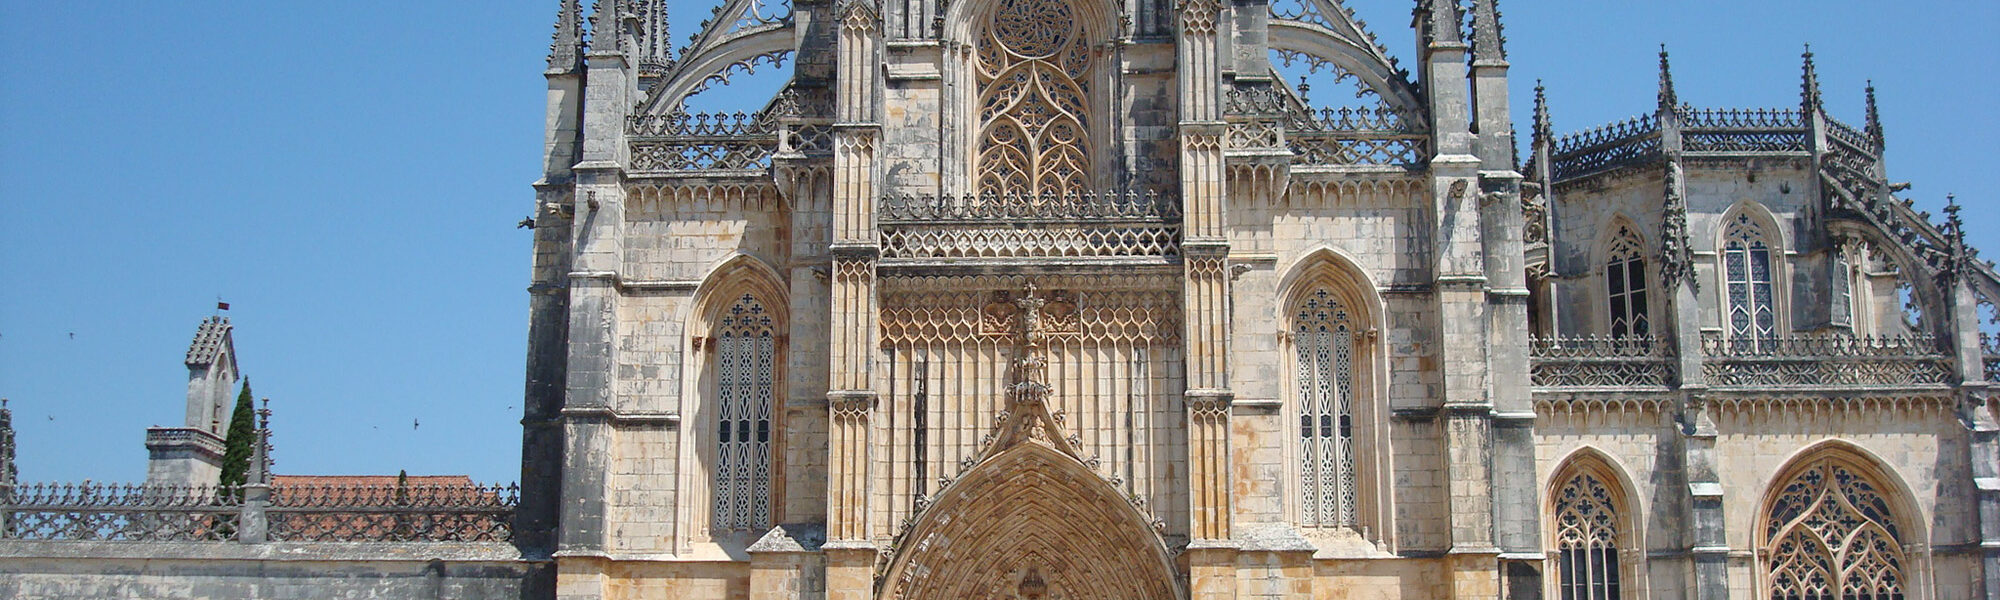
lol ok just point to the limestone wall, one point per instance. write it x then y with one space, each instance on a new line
186 571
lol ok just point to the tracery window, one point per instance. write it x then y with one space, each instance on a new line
1033 67
1747 267
1830 535
745 363
1625 286
1323 337
1586 522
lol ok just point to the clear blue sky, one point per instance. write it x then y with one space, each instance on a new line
348 175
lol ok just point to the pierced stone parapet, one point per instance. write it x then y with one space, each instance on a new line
1066 208
119 512
1609 147
1825 361
1636 363
393 513
703 142
1087 225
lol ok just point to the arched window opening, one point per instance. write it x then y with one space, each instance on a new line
1323 336
1034 64
1830 535
1625 286
745 363
1586 522
1747 270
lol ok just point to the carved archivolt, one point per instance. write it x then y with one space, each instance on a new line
1033 65
1034 521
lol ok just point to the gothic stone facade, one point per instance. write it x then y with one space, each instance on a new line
1084 299
1081 299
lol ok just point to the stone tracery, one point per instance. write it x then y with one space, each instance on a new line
1830 533
1033 64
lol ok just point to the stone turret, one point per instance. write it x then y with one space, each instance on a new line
192 453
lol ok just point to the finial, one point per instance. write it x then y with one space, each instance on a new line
1489 36
1874 118
1669 98
1810 87
1304 87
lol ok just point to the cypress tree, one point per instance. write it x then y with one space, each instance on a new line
238 446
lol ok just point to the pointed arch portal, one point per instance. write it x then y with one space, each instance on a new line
1029 519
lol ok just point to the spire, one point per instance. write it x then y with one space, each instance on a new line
1440 20
1544 127
655 45
1489 36
563 51
7 471
1810 87
1874 118
1669 99
260 454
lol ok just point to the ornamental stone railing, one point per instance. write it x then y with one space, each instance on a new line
1825 361
1604 363
122 513
257 513
1748 131
393 513
1620 144
1989 347
703 142
1087 225
1357 136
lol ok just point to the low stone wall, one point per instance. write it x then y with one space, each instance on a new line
181 570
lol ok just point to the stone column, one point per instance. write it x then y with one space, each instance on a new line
1983 433
1205 245
852 398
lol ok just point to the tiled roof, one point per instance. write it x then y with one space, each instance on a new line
371 480
208 341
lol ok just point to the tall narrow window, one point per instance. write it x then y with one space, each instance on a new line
1324 339
1830 535
1747 266
1586 521
1033 67
1625 286
746 356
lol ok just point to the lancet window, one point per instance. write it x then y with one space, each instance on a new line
1586 538
1747 270
1033 64
1625 285
1324 338
745 362
1830 535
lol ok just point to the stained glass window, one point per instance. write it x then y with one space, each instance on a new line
1747 271
1324 339
1586 521
1033 65
1830 536
1625 286
745 357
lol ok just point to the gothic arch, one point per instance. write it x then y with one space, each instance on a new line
1576 476
1031 511
1838 514
736 291
1622 237
1324 276
1751 216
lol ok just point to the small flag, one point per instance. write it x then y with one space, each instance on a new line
219 305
